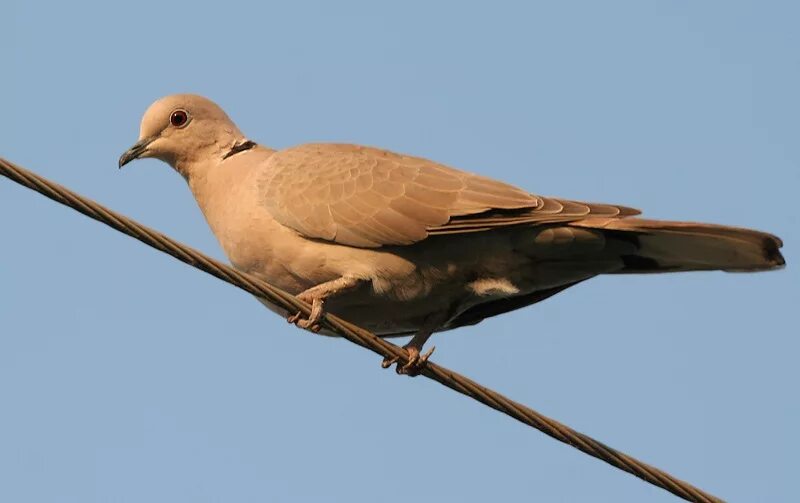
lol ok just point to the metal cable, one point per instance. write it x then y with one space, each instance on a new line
355 334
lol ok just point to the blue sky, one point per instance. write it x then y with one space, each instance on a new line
127 376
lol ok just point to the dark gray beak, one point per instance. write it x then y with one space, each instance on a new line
135 151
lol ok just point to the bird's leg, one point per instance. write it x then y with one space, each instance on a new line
316 296
416 360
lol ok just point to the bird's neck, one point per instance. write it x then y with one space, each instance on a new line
219 185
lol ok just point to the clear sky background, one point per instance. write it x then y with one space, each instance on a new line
127 376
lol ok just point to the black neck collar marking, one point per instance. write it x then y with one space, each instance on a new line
239 147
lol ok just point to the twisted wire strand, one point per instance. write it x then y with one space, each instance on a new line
355 334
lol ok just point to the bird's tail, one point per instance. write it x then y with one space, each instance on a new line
664 246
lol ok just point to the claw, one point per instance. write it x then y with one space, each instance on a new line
388 362
312 323
416 362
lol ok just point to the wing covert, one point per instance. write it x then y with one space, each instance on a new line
367 197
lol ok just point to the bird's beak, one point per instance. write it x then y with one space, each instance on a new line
136 151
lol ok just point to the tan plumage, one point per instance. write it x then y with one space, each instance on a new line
367 197
400 244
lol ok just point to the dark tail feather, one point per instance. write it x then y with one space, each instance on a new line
685 246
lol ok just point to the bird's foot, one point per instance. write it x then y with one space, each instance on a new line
312 322
416 361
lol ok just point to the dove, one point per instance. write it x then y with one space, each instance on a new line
404 246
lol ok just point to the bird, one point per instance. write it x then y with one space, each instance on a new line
405 246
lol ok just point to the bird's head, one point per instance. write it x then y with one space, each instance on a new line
182 128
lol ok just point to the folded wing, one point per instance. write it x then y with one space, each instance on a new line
367 197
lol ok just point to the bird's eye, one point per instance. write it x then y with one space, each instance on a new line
179 118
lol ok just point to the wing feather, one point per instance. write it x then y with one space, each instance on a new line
366 197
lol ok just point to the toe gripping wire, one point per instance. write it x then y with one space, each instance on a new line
355 334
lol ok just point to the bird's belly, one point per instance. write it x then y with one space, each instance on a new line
381 315
386 316
401 289
398 305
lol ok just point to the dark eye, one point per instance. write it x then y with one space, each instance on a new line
179 118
